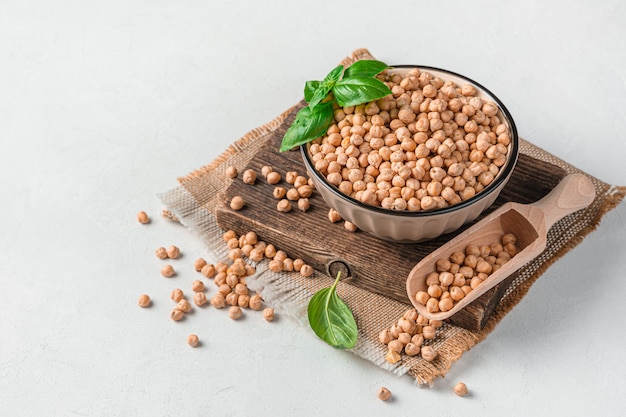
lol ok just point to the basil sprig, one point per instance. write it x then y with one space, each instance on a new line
357 86
331 319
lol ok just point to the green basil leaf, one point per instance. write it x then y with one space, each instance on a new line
325 86
358 90
331 319
309 89
309 124
365 68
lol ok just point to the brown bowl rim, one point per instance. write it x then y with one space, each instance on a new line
503 176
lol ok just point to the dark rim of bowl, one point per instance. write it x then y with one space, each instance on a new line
502 176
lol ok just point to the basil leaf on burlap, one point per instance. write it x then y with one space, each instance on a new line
331 319
358 90
308 125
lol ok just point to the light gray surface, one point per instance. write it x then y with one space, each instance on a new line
102 106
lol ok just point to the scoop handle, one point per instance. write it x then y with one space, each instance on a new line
574 192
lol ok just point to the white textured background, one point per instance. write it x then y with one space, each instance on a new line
103 105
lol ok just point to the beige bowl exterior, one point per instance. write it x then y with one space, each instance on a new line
405 226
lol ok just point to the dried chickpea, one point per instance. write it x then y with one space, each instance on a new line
279 193
143 301
234 312
161 253
412 349
177 314
333 216
249 176
228 235
177 294
197 286
193 340
168 271
218 301
460 389
243 301
231 172
241 289
199 299
304 204
384 394
268 314
273 178
256 302
428 353
276 265
292 194
429 332
265 170
384 336
237 203
270 251
184 306
143 218
199 264
306 270
350 227
232 299
392 357
284 206
290 177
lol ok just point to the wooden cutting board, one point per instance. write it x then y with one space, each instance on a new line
367 262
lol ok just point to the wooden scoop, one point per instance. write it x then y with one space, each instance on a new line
528 222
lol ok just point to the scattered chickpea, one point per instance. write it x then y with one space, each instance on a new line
161 253
268 314
304 204
428 353
143 301
199 264
197 286
143 218
290 177
460 389
256 302
208 270
168 271
266 169
333 216
384 394
237 203
306 270
177 294
249 176
199 299
284 206
350 227
218 301
184 306
231 172
228 235
273 177
279 193
234 312
297 264
392 357
173 252
176 314
193 340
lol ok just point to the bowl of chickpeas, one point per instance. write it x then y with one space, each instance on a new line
420 162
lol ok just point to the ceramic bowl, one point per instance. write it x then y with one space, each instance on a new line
407 226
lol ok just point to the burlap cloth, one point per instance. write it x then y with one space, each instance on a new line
193 205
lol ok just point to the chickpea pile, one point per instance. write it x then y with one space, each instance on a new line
408 335
430 144
455 277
